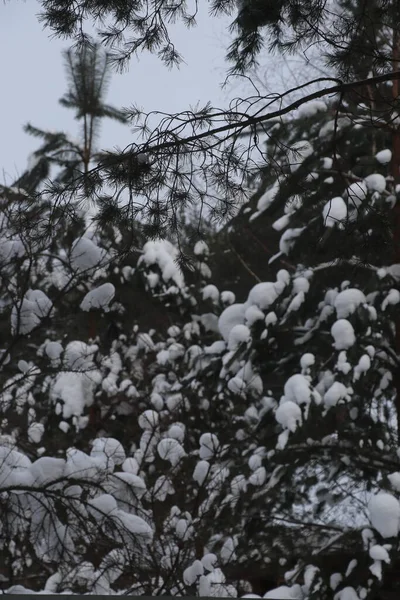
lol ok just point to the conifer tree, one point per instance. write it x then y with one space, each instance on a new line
88 75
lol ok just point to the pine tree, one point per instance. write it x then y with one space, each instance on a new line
252 437
88 73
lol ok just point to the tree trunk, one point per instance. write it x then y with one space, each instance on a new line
396 210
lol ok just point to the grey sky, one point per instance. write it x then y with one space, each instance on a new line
33 80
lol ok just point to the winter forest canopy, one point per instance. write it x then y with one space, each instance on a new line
200 334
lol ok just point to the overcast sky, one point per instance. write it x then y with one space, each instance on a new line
33 80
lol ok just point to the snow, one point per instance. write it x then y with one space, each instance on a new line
298 152
79 356
201 471
231 316
148 420
191 574
384 514
287 240
10 249
288 414
85 255
335 393
102 505
297 389
134 524
271 318
177 431
394 479
356 193
310 109
75 390
135 483
35 432
100 297
378 552
347 301
281 223
162 488
375 182
267 198
227 297
209 561
296 302
170 449
284 592
209 445
343 333
53 350
394 271
130 465
384 156
284 276
258 477
307 360
201 248
364 364
47 469
252 315
210 292
301 284
334 212
254 462
237 386
238 335
347 593
391 299
84 467
163 254
262 295
25 316
109 448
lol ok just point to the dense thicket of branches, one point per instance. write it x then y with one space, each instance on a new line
161 433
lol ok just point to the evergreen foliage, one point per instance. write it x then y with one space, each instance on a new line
88 76
161 434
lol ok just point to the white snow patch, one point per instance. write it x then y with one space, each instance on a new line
384 156
267 198
394 479
392 298
336 392
384 514
297 389
356 193
263 295
288 414
100 297
334 212
375 182
85 254
298 152
201 248
231 316
163 254
378 552
287 240
310 109
346 302
25 316
210 292
238 335
307 360
284 592
343 333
